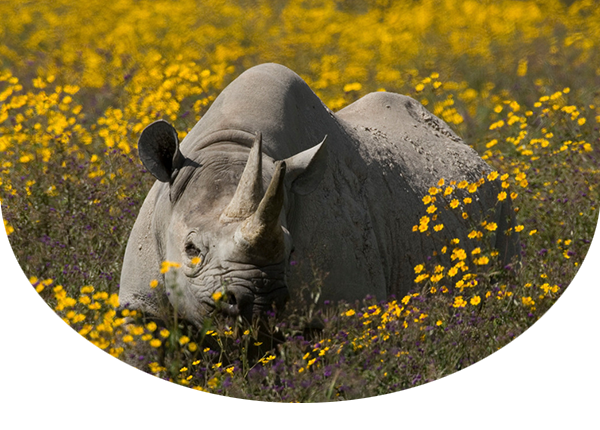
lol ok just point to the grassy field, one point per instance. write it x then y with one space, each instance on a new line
517 80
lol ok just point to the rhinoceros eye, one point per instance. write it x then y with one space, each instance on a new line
191 250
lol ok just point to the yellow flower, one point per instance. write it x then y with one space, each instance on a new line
7 227
532 232
462 184
164 332
183 340
467 200
212 383
151 326
458 253
427 199
475 300
421 277
153 283
465 215
431 209
519 228
492 226
155 343
441 182
192 346
459 302
355 86
482 261
113 300
438 227
167 265
492 176
437 278
527 301
502 196
419 268
472 188
350 312
217 296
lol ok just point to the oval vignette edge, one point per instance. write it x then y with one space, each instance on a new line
51 362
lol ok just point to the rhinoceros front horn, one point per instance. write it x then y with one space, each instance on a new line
249 192
261 233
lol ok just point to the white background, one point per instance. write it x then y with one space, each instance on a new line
53 378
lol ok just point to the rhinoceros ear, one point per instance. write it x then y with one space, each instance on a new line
158 148
305 170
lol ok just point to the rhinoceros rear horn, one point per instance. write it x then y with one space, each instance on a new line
158 148
261 233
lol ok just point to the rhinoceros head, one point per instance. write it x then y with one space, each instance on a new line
223 221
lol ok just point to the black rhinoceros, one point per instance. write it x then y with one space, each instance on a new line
250 184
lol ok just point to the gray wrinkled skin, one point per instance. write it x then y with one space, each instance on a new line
346 207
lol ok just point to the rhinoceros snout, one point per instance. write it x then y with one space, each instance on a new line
242 301
237 302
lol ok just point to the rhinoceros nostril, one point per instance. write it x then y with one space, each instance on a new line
231 300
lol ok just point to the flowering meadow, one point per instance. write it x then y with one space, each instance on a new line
518 80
